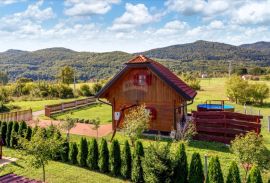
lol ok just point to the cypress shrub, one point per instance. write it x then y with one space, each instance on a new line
233 175
196 169
44 132
65 153
8 134
269 180
180 172
28 133
22 129
73 152
83 152
34 130
57 136
137 170
50 131
103 156
115 158
214 174
92 158
4 131
126 161
13 136
254 175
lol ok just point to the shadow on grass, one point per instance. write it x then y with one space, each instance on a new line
17 165
215 146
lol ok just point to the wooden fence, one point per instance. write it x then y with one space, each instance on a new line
224 126
24 115
52 109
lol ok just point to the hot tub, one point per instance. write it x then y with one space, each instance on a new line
215 107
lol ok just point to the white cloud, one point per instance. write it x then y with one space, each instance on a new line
172 27
88 7
6 2
216 24
135 15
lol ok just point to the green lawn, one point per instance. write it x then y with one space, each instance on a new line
101 111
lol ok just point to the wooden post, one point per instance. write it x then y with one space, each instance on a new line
205 166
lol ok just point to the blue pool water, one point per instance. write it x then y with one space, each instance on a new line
214 106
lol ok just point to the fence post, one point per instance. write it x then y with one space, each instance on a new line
205 166
62 107
268 123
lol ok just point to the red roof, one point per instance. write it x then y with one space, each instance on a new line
140 59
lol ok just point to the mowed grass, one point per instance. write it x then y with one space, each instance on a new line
101 111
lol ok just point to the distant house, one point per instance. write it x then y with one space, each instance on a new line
250 77
204 75
145 81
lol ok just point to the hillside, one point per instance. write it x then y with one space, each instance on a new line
202 56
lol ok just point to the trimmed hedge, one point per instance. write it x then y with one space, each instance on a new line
8 134
233 175
180 174
22 129
103 157
126 161
3 131
214 174
65 153
83 152
92 158
115 158
254 175
14 132
196 169
137 169
73 152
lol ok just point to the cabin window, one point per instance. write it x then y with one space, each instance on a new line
152 111
142 79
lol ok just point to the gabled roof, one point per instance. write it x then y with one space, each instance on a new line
164 73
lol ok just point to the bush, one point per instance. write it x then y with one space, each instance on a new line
13 136
92 158
4 131
85 90
22 129
137 170
103 156
254 175
65 153
214 174
50 131
126 161
64 91
73 152
157 164
96 87
181 165
28 133
196 170
83 152
233 175
8 134
115 158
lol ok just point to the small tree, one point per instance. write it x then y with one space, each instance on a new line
157 164
3 131
96 123
28 133
186 131
137 170
233 175
73 152
14 134
92 158
103 157
8 134
259 92
66 75
96 87
250 151
40 149
83 152
196 171
135 122
126 161
254 176
65 153
22 128
67 125
115 158
181 166
214 174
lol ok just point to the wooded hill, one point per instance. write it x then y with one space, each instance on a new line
202 56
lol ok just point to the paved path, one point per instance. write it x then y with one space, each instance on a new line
79 129
38 113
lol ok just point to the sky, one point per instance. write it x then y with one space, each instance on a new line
130 25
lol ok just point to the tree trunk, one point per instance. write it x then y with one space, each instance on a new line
43 169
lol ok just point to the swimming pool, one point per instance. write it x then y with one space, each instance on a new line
215 107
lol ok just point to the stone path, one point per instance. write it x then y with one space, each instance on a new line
6 160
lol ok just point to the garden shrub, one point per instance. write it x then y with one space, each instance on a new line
8 134
233 175
196 169
28 134
13 136
83 152
4 131
22 128
115 158
103 156
92 158
180 165
214 174
50 131
126 161
73 152
157 164
85 90
137 170
65 153
254 175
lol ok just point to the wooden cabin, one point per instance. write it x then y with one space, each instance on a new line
145 81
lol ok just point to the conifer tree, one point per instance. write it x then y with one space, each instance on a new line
8 134
137 170
65 153
13 136
28 133
73 152
103 156
214 174
233 175
22 128
181 166
126 161
254 175
92 158
196 170
115 158
3 131
83 152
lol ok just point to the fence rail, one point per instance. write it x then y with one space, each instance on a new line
57 108
24 115
224 126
